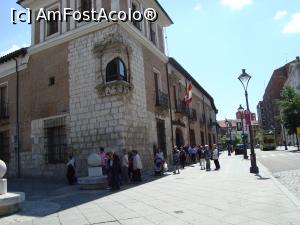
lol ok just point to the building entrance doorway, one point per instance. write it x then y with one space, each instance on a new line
161 136
179 137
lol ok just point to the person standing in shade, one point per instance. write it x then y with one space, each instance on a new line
176 161
125 165
182 157
202 158
216 157
207 156
130 166
103 159
71 170
137 166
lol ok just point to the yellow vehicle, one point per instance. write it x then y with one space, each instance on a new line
268 141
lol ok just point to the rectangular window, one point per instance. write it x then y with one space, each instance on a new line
52 25
156 87
152 32
137 24
175 98
85 5
192 137
55 140
202 138
3 102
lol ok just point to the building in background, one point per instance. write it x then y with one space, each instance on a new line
235 128
268 111
294 82
86 85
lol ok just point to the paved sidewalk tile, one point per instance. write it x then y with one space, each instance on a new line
231 196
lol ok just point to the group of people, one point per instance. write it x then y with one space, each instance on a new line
127 168
190 155
119 170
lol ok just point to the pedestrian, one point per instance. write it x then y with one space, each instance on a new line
103 159
130 166
137 166
216 154
202 158
114 171
71 170
182 157
194 153
229 149
176 161
159 161
125 165
207 157
108 168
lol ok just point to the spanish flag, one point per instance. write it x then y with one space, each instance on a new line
188 95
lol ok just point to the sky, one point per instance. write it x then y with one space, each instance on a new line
214 40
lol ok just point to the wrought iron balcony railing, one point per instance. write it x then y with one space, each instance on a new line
162 99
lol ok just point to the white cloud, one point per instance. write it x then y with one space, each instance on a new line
198 7
280 14
236 4
294 25
11 49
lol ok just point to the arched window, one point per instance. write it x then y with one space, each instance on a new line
116 70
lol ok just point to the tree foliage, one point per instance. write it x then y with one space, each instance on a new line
289 105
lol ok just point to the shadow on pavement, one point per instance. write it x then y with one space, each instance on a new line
48 196
260 177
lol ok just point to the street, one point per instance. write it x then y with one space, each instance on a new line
277 161
284 165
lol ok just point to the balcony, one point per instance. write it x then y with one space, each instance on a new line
4 111
182 108
202 119
162 100
193 115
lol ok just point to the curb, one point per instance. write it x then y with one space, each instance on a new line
287 192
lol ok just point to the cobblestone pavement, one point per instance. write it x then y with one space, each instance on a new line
291 180
231 196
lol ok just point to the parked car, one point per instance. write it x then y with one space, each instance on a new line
239 149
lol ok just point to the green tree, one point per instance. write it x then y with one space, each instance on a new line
289 105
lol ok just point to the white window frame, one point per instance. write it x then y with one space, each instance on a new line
47 37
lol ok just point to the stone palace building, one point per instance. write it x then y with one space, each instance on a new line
83 85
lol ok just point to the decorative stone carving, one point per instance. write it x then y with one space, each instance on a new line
112 47
114 88
3 169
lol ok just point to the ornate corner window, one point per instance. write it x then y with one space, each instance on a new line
116 70
113 67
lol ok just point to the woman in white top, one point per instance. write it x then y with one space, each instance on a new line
137 166
125 164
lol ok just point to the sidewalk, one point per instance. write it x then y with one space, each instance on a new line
231 196
290 148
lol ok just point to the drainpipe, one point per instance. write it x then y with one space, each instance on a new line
170 104
17 120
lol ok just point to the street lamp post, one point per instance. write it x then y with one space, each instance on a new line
244 78
229 145
241 111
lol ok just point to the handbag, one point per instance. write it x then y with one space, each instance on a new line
166 167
